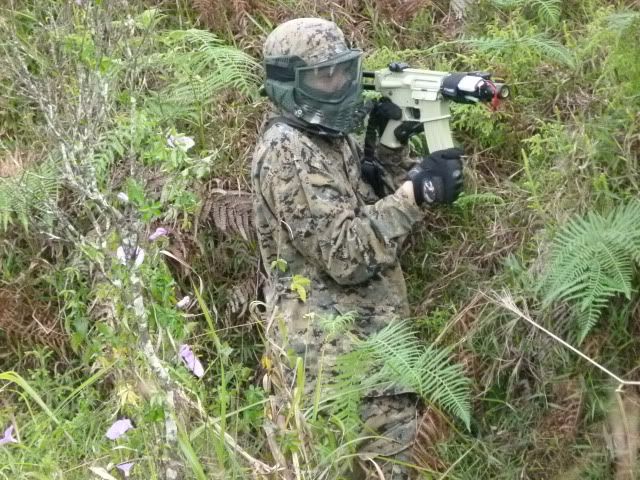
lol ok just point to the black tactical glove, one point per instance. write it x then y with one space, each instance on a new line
384 110
438 178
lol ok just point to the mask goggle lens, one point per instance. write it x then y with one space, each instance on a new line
331 80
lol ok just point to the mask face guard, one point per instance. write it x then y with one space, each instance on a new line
333 80
339 111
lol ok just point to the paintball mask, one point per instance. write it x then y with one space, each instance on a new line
320 84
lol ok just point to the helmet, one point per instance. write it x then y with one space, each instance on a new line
312 74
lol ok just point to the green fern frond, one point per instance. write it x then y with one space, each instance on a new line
7 193
204 66
622 21
473 199
194 36
542 45
148 18
547 11
348 390
396 357
30 198
593 259
507 3
113 146
405 361
548 48
336 325
396 350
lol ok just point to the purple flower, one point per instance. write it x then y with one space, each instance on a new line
160 232
8 436
191 360
119 428
125 468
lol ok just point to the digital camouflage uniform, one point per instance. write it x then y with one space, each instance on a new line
314 211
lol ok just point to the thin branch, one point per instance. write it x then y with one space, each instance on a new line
506 300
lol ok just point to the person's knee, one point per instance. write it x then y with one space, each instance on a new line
390 430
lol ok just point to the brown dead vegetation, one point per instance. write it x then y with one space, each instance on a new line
433 429
27 322
14 162
624 424
231 212
355 17
556 431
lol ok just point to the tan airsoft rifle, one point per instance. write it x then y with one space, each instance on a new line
424 96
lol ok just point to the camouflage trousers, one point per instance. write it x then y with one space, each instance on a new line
390 425
390 428
389 417
393 420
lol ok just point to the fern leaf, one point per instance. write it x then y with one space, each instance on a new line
547 11
204 66
593 259
549 48
445 384
336 325
241 295
231 213
6 197
30 197
348 390
507 3
622 21
473 199
543 46
406 362
396 357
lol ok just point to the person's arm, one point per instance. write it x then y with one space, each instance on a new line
391 165
326 226
395 165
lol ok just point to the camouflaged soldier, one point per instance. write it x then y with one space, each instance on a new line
316 214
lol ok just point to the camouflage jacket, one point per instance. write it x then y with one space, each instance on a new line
314 212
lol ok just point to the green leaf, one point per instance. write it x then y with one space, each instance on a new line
300 285
280 264
14 377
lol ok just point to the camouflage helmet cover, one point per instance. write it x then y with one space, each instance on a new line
300 49
312 39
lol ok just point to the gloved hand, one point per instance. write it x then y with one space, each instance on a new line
384 110
438 178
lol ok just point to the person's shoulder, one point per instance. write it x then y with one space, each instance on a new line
279 129
280 136
279 147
